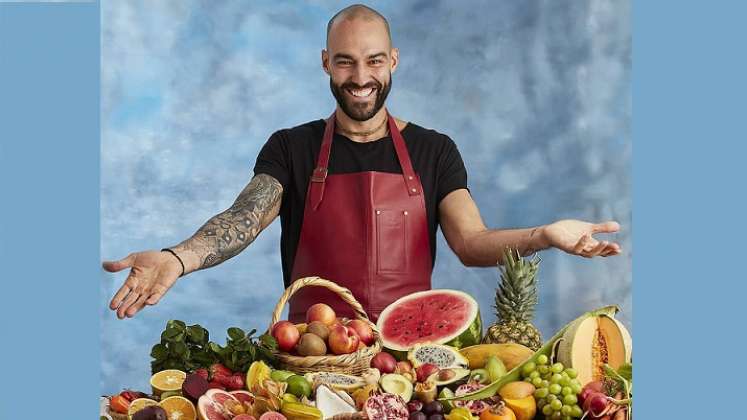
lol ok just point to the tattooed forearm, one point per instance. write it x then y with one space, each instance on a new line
228 233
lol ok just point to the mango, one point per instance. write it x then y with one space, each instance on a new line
524 408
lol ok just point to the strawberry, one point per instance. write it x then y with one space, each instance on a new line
217 370
233 382
216 385
119 404
202 372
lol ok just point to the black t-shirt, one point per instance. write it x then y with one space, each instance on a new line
290 156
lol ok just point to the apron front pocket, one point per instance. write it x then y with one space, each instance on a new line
391 241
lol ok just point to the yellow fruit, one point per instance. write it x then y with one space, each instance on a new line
524 408
258 372
167 380
302 328
138 404
298 411
511 354
179 408
516 390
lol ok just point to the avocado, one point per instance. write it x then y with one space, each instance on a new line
449 376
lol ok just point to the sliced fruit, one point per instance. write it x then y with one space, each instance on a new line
119 404
440 355
511 354
139 404
244 417
449 376
588 344
425 391
167 380
331 404
242 396
257 373
219 396
438 316
210 410
446 393
179 408
337 381
397 384
272 415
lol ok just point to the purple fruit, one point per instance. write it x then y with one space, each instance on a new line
418 415
436 417
433 407
152 412
414 405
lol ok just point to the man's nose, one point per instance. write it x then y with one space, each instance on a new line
360 74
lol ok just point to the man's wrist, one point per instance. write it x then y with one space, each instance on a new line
177 259
538 239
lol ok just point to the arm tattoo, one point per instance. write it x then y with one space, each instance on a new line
230 232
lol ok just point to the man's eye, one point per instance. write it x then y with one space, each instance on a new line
376 61
345 63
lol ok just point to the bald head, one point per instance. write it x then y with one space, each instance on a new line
358 11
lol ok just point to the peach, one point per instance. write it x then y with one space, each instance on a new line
321 312
364 331
286 334
343 340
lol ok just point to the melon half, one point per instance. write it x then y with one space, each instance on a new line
440 316
591 343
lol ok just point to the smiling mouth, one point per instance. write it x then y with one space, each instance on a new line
361 93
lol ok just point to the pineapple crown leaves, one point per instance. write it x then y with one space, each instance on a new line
516 295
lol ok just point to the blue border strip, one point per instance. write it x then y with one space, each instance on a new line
49 211
689 90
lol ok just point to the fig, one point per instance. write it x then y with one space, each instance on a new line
384 362
414 405
311 345
152 412
433 407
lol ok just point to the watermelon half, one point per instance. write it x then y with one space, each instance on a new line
440 316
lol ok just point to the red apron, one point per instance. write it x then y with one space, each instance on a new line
366 231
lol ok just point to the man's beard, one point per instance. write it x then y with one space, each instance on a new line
360 111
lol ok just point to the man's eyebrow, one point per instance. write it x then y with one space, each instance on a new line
350 57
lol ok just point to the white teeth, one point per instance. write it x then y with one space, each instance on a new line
361 92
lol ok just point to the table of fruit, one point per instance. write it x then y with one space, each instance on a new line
426 358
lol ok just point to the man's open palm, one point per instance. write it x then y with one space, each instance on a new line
575 237
152 273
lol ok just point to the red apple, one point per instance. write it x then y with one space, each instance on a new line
277 324
286 334
321 312
343 340
364 331
384 362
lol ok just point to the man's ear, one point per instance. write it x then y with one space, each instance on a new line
395 58
325 61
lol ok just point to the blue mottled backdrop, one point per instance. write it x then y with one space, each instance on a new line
536 94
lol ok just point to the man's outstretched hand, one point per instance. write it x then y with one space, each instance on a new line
576 237
152 273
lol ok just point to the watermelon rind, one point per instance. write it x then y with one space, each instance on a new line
470 335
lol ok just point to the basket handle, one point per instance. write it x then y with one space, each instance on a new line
344 293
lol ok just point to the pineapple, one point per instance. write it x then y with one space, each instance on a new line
515 299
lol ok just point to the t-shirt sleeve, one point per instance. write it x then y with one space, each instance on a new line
274 159
451 173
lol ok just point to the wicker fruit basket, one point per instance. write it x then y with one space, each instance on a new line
352 364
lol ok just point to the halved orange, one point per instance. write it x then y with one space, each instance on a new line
167 380
138 404
179 408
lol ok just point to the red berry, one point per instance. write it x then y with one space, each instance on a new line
202 372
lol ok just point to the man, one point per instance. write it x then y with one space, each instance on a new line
360 197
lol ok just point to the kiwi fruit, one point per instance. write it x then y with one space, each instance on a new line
319 329
311 345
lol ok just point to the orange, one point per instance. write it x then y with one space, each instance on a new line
167 380
138 405
179 408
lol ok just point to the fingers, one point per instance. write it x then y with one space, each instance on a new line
128 301
606 227
136 306
114 266
120 295
612 249
156 295
596 250
582 244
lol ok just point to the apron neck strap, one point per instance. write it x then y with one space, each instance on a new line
320 172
